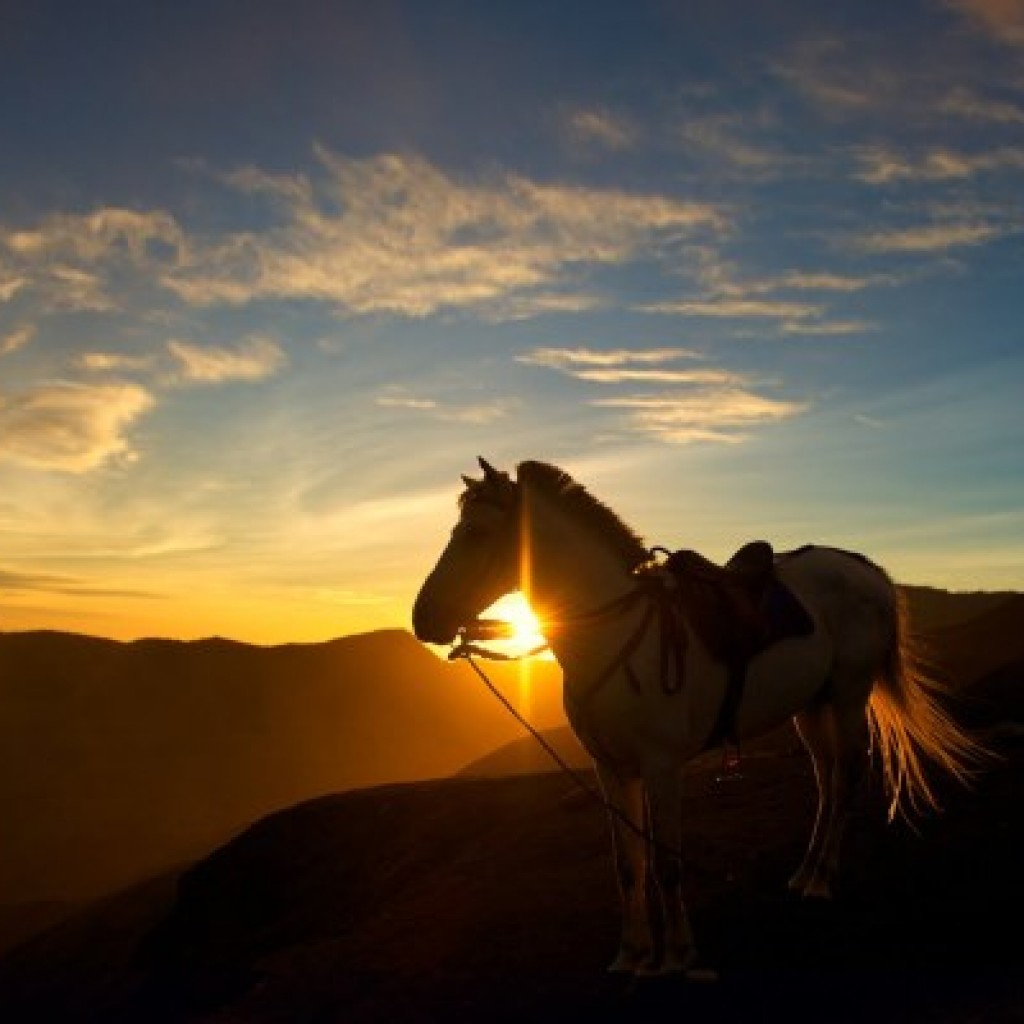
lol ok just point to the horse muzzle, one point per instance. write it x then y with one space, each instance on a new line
434 625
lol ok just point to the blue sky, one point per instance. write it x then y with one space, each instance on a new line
272 275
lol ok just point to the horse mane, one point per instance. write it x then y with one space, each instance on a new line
588 510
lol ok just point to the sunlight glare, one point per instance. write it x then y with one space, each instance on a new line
514 609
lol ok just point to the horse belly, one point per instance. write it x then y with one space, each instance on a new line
783 680
632 730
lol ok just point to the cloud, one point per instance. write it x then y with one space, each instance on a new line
1002 19
600 128
739 308
726 139
396 234
713 406
664 376
68 427
566 358
799 280
253 359
102 362
933 237
822 70
880 166
68 586
965 103
68 258
139 236
18 338
827 328
472 413
618 366
721 415
10 285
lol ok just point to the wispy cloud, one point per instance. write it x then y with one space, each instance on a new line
118 362
397 234
719 415
67 586
822 281
477 413
138 235
600 128
18 338
10 285
711 404
571 358
739 308
880 165
969 104
936 237
739 146
252 359
827 328
615 366
1003 19
821 69
67 259
68 427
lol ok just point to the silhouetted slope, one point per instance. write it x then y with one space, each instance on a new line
968 651
525 756
463 901
120 760
932 608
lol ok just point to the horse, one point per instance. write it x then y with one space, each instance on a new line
645 689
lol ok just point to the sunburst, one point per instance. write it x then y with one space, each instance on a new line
525 627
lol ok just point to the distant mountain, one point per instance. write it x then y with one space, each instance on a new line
525 756
119 760
932 608
967 651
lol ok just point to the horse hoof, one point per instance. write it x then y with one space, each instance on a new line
627 961
702 976
670 965
817 892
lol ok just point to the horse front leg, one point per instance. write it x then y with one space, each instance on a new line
815 727
626 796
664 794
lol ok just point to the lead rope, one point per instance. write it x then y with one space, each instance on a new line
466 651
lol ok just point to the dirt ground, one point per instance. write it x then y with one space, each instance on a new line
494 900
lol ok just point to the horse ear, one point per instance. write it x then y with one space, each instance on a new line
469 481
490 473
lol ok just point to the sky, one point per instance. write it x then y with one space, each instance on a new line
273 275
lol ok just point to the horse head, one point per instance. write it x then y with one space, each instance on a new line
480 562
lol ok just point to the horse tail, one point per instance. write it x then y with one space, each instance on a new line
911 728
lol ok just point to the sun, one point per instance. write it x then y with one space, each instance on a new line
514 609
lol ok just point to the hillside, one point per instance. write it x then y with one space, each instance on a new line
462 901
120 760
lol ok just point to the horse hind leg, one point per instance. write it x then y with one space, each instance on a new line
849 732
814 726
626 796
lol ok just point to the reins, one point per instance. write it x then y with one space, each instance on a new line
466 649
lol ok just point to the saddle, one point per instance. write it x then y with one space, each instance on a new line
737 610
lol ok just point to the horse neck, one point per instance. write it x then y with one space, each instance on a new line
567 570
